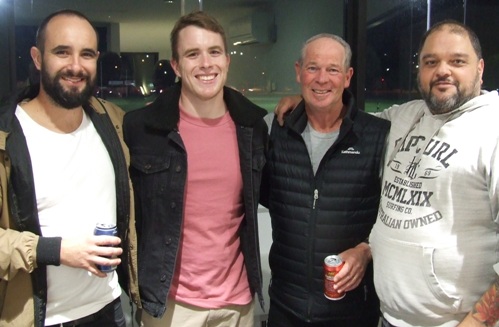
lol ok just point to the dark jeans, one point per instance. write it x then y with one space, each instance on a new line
279 317
109 316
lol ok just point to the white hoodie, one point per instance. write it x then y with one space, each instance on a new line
436 239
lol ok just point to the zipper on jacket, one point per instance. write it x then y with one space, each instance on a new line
316 196
310 270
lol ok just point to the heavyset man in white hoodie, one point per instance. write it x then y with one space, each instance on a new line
435 241
435 244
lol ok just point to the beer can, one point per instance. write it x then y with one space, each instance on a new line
332 265
106 229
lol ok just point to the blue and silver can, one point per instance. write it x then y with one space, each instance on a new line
106 229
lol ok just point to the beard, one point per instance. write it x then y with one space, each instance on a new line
444 105
68 99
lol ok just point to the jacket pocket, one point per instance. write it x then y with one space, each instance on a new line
150 174
150 164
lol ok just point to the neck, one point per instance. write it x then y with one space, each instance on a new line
202 108
325 121
53 117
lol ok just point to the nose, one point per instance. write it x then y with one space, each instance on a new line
205 60
442 69
75 63
322 76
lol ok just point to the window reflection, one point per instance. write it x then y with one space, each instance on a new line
393 40
392 58
135 47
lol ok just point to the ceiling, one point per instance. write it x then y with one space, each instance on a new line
130 11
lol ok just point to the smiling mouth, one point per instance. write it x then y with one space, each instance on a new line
207 78
443 83
73 79
320 92
439 83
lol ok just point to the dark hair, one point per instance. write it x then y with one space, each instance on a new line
457 28
199 19
42 29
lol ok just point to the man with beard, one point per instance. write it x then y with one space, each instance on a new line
63 169
435 240
434 244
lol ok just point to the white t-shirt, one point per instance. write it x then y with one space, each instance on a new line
75 189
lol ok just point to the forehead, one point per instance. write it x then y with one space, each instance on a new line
324 49
445 41
197 37
70 31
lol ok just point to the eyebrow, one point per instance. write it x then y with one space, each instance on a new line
59 48
335 65
67 47
216 47
454 55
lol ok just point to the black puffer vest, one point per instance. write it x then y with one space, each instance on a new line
316 216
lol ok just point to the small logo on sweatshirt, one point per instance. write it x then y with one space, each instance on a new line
350 150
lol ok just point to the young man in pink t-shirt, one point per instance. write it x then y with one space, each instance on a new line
197 156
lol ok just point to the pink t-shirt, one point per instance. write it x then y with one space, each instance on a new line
210 269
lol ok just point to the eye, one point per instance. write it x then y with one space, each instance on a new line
429 63
89 55
192 55
458 62
61 53
312 69
216 52
333 71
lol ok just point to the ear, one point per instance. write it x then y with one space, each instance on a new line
348 76
481 67
36 55
298 72
174 65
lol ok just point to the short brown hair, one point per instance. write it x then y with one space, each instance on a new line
199 19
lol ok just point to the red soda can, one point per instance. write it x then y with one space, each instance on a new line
332 265
106 229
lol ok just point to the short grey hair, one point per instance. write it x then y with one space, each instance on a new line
334 37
